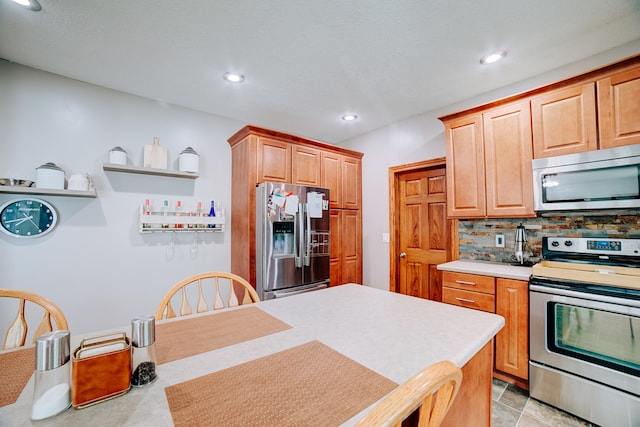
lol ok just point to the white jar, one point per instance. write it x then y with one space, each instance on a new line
78 182
51 176
188 160
118 156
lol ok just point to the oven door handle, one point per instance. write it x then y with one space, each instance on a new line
584 295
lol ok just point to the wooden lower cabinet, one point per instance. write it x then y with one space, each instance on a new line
346 250
510 299
512 342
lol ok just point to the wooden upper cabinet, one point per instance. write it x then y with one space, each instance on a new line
274 160
564 121
305 166
351 182
619 108
465 167
508 154
332 178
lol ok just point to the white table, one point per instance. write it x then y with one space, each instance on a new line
392 334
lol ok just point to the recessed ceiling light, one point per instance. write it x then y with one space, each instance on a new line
31 4
349 117
233 78
493 57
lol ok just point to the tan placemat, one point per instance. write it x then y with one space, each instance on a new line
17 367
310 384
195 335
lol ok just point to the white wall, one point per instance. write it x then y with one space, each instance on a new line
422 138
95 264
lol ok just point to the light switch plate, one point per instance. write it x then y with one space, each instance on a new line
499 240
385 237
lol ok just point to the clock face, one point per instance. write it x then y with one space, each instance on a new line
26 218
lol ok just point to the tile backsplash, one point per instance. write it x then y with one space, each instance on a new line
477 236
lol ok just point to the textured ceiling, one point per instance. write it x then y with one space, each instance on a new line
307 62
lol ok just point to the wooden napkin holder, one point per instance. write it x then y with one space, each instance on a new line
100 369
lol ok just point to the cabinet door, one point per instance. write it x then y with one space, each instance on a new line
619 109
332 178
335 251
305 166
274 160
351 246
465 167
564 121
351 183
508 154
512 342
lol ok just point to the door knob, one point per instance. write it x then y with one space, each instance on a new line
403 255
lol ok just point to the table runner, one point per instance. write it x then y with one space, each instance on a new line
17 368
310 384
199 334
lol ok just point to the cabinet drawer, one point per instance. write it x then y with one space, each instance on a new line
476 300
469 282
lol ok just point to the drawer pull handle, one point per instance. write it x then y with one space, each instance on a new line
470 301
462 282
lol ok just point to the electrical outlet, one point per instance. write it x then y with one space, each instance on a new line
499 240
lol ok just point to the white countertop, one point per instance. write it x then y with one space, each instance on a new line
392 334
487 268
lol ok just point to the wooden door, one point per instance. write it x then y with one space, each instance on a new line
508 154
423 232
331 178
512 342
305 166
564 121
274 160
465 167
619 109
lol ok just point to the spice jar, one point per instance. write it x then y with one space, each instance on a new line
52 392
143 350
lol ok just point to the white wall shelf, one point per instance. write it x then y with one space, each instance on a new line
111 167
47 191
156 222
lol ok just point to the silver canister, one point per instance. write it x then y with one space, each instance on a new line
143 350
50 175
52 391
118 156
189 160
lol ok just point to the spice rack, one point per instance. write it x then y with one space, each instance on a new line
157 222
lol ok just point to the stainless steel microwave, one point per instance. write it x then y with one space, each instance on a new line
593 180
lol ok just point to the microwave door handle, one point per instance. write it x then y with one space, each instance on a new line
307 234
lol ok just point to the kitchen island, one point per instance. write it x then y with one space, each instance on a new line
393 335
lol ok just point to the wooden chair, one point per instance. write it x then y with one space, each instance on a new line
17 332
432 390
225 286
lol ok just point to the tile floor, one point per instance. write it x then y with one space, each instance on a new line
512 407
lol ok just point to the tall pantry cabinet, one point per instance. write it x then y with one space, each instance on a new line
261 155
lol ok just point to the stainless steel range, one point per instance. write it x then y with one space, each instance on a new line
584 317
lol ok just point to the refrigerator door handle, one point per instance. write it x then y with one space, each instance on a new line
307 246
300 235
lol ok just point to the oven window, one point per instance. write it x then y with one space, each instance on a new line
597 336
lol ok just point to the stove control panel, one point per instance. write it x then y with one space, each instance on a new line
595 245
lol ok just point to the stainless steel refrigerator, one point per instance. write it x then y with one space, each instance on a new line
292 239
